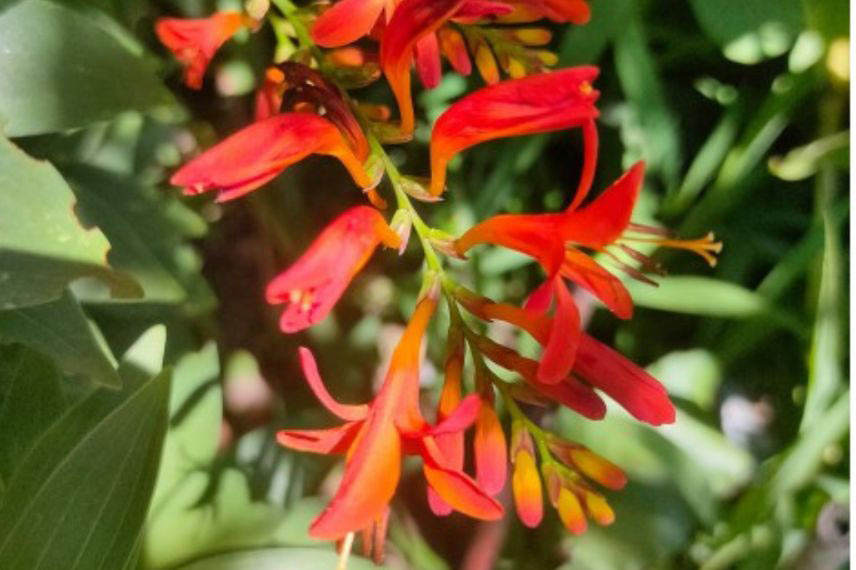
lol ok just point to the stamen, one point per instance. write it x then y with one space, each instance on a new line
645 229
345 553
630 271
647 263
294 295
586 88
705 246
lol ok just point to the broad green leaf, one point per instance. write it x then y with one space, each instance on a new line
84 488
750 32
698 296
693 375
278 559
31 399
59 70
147 230
43 246
60 329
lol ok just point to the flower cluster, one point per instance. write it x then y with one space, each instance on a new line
303 107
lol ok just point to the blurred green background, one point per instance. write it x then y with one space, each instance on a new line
109 278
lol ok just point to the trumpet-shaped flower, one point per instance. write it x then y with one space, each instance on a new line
348 20
258 153
195 41
555 239
534 104
316 281
375 436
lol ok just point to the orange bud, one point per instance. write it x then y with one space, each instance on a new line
526 487
571 512
599 509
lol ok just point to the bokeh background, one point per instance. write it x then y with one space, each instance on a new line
740 110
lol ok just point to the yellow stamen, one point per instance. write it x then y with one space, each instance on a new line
345 553
705 246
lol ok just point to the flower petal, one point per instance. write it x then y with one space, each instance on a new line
605 219
456 488
589 274
561 348
344 411
254 155
346 22
571 512
637 391
529 105
455 50
428 61
411 21
369 481
325 441
461 418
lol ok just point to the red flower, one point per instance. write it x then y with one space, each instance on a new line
195 41
375 436
554 240
411 21
314 283
534 104
348 20
258 153
571 11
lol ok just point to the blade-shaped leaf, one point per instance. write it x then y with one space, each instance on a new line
42 243
31 399
79 498
60 330
59 70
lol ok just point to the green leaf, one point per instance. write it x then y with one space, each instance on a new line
59 70
749 32
804 161
85 486
31 399
40 257
693 375
698 296
277 559
585 44
60 330
147 230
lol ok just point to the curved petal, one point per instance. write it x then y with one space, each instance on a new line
461 418
637 391
369 482
456 488
529 105
411 21
535 235
541 299
526 487
605 219
254 155
455 50
574 395
324 441
586 272
313 378
561 348
346 22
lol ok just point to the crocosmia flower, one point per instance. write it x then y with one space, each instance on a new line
348 20
375 436
557 240
534 104
412 21
195 41
260 152
314 283
570 11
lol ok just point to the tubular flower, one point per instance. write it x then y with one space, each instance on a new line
534 104
562 11
316 281
525 482
554 241
195 41
375 436
348 20
411 21
258 153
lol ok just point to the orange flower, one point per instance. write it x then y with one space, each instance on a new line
411 21
571 11
195 41
534 104
375 436
316 281
258 153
